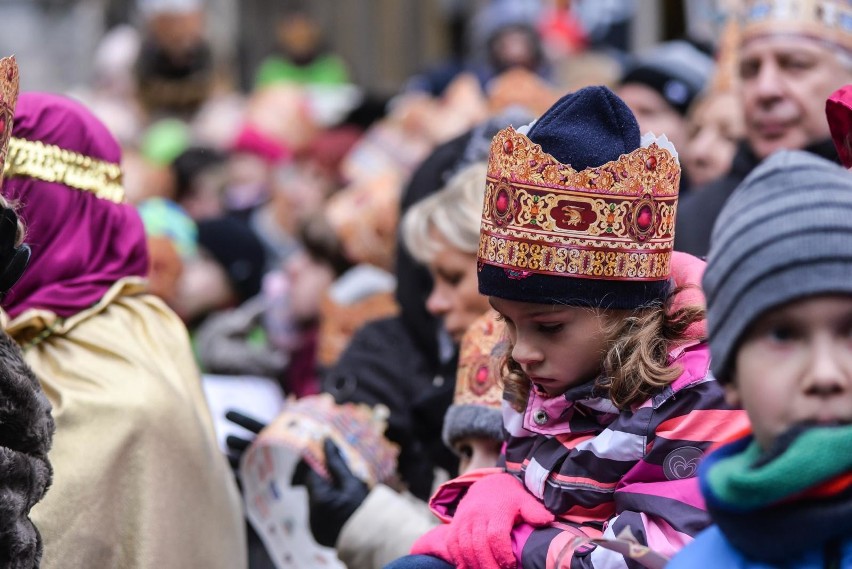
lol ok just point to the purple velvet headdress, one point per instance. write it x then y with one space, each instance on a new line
63 173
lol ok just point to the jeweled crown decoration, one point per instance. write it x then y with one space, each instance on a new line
824 20
478 375
612 222
9 84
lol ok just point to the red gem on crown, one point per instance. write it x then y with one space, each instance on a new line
502 202
644 219
481 375
651 163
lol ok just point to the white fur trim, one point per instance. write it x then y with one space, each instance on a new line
662 141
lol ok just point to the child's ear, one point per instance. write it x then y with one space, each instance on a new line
732 395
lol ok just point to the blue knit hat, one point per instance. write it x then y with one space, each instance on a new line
587 128
577 212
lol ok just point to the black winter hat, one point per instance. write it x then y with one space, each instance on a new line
677 70
236 247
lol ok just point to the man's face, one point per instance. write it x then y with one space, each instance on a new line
785 82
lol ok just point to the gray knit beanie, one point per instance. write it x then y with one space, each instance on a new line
784 234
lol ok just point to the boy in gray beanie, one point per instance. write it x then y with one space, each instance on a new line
785 234
778 286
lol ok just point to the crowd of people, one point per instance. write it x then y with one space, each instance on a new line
594 305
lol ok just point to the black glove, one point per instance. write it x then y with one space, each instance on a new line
238 445
13 260
332 502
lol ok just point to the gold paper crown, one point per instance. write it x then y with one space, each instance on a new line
726 75
355 428
824 20
8 98
611 222
478 376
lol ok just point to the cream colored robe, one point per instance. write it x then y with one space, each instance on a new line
138 478
383 528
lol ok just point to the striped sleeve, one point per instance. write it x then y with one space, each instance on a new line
655 500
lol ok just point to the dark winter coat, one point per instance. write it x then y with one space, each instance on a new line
382 364
698 211
396 362
26 432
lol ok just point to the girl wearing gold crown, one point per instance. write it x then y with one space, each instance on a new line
609 404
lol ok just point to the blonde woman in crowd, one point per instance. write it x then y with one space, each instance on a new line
369 528
442 232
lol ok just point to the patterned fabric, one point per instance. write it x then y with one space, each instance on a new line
478 377
476 402
579 209
613 222
628 475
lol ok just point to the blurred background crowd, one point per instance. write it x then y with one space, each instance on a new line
273 148
269 145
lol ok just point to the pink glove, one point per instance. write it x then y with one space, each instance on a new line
480 534
686 273
434 543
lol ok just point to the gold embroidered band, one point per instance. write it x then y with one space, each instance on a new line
612 222
9 80
51 163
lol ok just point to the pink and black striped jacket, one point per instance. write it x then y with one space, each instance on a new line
626 474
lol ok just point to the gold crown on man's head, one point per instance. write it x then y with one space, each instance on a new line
825 20
8 98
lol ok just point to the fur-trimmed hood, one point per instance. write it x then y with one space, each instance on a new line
26 432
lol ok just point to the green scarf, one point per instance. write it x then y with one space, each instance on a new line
763 501
752 479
